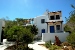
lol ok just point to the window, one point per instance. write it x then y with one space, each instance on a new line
43 30
58 27
57 17
42 20
51 17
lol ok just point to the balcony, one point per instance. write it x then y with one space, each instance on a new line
53 18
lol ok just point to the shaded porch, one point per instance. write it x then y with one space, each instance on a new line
55 27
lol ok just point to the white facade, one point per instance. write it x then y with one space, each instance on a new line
52 26
46 25
39 25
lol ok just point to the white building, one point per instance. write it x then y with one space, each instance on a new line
49 23
40 25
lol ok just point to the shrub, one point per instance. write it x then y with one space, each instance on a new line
54 47
71 39
20 34
48 44
33 29
67 28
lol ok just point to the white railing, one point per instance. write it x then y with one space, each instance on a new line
53 20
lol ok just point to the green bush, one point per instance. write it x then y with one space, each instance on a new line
71 39
54 47
18 33
48 44
67 28
33 29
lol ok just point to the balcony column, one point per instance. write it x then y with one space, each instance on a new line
47 27
54 27
61 26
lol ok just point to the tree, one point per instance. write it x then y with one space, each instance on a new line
71 39
71 21
67 28
71 26
8 25
33 29
20 34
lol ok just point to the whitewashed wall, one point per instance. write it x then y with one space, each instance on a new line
39 25
51 36
0 28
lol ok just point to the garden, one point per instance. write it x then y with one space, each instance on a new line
21 35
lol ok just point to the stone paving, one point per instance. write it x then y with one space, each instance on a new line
35 46
5 44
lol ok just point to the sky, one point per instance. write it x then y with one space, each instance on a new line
11 9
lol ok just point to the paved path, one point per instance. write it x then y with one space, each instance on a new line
5 44
35 46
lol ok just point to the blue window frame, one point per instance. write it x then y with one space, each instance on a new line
43 30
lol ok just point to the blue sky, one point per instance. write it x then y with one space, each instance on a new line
32 8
